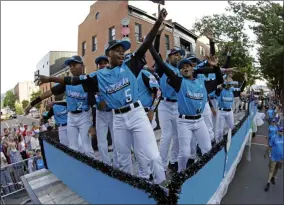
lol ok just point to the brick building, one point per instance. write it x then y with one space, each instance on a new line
104 23
202 48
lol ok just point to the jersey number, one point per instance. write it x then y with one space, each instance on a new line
128 96
79 105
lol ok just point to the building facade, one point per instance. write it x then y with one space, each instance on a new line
24 90
104 23
49 65
202 48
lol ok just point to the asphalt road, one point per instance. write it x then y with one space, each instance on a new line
14 122
250 179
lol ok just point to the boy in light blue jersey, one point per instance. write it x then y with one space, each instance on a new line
118 86
270 114
272 130
192 97
276 148
59 111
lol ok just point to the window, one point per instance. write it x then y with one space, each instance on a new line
84 48
112 33
94 43
138 32
47 63
167 42
202 51
177 41
97 15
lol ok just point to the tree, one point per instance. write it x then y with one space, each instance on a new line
25 103
34 96
268 25
19 108
228 31
9 100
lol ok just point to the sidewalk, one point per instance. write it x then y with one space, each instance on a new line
250 179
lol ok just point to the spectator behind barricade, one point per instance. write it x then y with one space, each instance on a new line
35 141
4 147
22 147
6 180
31 162
39 161
28 139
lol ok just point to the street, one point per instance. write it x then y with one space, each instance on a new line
250 179
20 118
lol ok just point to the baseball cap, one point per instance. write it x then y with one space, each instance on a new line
184 61
76 59
98 59
113 43
281 129
193 59
174 51
274 120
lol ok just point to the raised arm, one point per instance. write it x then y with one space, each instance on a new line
175 81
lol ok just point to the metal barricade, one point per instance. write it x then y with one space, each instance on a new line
11 176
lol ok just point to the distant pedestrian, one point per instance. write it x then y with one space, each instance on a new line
276 156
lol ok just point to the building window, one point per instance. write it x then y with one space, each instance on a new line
138 32
94 43
202 51
43 65
112 33
84 48
177 41
97 15
167 42
47 63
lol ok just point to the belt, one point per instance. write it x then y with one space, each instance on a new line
62 125
190 117
126 109
168 100
226 110
79 111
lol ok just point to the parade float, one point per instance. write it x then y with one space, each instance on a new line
205 182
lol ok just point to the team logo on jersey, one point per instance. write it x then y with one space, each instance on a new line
64 112
118 86
77 95
227 99
194 96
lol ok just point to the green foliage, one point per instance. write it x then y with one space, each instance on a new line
9 100
229 32
34 96
268 25
25 103
19 108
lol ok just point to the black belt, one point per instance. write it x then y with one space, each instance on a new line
126 109
168 100
226 110
62 125
190 117
146 109
79 111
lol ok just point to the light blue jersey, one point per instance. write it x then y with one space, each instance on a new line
144 92
270 113
277 146
60 114
226 99
118 86
76 98
167 90
192 97
213 95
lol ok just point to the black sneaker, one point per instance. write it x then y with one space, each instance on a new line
272 180
173 167
213 143
151 177
198 151
267 187
189 162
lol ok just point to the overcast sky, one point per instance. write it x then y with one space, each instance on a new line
30 29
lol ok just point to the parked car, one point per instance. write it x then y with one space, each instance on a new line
13 116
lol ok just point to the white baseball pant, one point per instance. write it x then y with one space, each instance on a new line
154 123
187 129
79 124
168 114
236 105
104 121
135 125
214 118
63 137
223 116
207 116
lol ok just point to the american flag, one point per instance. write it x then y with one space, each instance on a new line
159 1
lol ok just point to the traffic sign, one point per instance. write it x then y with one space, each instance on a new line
125 31
125 21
